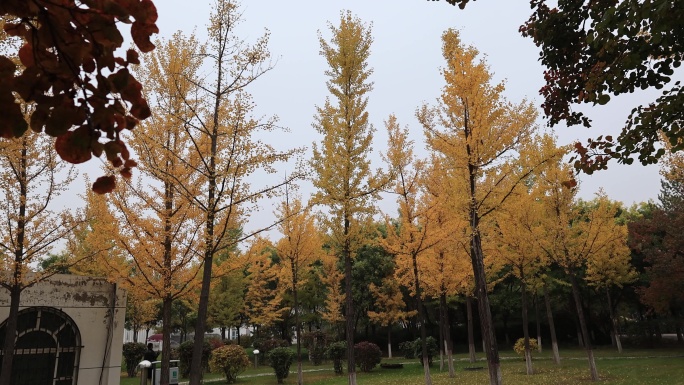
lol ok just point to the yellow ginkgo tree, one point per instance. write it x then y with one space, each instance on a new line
158 227
448 271
335 297
480 135
518 227
346 185
263 302
299 247
411 237
577 233
390 307
612 267
31 180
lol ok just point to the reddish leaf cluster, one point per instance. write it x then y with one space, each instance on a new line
83 93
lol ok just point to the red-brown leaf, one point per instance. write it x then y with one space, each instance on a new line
26 55
104 184
74 146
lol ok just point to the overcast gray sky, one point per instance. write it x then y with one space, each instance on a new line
406 56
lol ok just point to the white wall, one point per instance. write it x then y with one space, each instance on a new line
89 302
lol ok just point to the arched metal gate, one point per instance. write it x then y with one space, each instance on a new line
48 348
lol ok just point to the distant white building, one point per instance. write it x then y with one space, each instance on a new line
155 338
69 332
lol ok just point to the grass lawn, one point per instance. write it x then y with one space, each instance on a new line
648 367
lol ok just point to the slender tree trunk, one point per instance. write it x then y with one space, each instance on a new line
441 342
583 328
613 323
200 327
422 318
166 341
552 328
10 334
471 332
300 376
210 218
298 326
167 301
16 285
389 341
349 308
448 344
658 331
526 331
580 339
486 322
538 319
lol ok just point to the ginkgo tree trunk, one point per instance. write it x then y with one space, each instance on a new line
342 174
479 133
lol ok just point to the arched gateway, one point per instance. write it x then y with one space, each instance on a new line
48 348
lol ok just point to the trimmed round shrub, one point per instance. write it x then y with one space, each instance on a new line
265 346
133 353
215 343
519 346
229 359
337 351
185 357
316 342
407 349
432 349
367 355
280 360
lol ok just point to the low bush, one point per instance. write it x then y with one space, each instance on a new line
265 346
337 351
432 349
215 343
133 353
367 355
519 346
407 349
229 359
185 357
280 360
316 342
